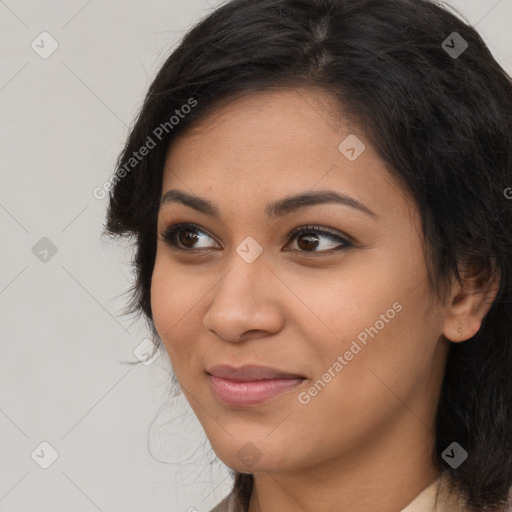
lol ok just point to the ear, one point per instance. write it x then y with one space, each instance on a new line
468 304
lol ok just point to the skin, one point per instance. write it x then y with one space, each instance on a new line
364 442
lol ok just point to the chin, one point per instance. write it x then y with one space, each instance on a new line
254 456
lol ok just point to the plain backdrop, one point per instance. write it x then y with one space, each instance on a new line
79 430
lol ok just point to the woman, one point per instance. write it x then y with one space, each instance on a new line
319 192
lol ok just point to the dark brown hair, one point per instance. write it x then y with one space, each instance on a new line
441 122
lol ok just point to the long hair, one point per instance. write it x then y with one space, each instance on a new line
437 107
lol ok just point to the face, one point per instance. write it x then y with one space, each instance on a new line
343 303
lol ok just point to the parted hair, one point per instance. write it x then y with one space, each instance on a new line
440 120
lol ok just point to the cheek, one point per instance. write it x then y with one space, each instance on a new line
167 303
177 297
161 299
376 321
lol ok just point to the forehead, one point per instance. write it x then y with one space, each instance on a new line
284 117
262 144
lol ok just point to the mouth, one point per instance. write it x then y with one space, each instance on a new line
250 385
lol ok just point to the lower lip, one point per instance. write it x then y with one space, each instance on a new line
245 394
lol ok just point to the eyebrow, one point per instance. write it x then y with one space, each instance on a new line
278 208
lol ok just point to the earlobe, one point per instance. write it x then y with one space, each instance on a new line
461 330
469 304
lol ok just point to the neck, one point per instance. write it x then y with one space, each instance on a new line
386 474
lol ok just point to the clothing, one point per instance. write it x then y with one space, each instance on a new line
435 498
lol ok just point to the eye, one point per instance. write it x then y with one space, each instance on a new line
308 239
184 237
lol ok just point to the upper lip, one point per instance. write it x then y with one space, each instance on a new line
250 373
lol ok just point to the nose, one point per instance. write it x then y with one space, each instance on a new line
246 302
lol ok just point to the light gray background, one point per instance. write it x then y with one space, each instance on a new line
62 381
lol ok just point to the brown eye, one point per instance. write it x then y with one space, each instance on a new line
184 236
309 239
187 238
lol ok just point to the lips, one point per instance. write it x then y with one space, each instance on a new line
250 373
250 385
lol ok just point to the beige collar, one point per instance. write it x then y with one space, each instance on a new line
437 497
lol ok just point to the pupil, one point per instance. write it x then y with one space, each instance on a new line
190 237
311 240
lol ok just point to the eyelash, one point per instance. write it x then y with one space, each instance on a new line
170 233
